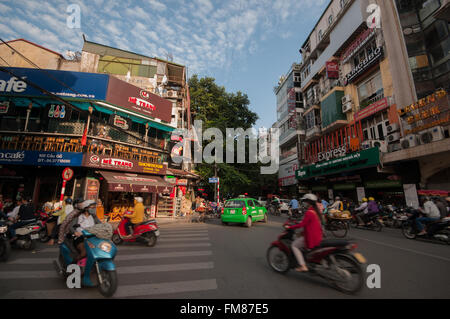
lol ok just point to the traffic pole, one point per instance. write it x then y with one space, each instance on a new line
63 190
218 191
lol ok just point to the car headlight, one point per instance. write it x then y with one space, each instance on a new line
105 246
3 229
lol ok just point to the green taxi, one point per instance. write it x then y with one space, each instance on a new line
243 211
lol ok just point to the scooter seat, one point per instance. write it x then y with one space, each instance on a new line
333 243
146 222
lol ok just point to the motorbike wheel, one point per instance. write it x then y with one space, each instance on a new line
30 244
338 229
278 260
109 283
116 239
349 267
151 239
43 236
408 231
5 250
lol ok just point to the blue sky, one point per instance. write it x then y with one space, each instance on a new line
245 44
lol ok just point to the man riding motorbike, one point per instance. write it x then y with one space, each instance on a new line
294 206
312 233
26 216
137 216
373 209
362 210
432 214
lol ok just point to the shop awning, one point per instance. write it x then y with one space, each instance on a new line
136 183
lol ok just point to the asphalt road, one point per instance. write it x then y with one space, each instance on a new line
212 261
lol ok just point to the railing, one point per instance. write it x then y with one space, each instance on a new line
312 131
372 99
47 142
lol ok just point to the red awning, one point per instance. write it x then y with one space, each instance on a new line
136 183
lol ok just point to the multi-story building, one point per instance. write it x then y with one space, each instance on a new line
289 110
355 77
82 114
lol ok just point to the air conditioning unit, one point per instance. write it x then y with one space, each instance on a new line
437 132
426 137
394 147
410 141
394 137
382 146
346 99
393 128
348 107
172 94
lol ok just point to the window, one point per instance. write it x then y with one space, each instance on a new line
234 204
343 3
330 20
370 90
320 35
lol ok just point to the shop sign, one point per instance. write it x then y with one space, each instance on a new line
78 84
92 188
332 70
358 44
57 111
120 122
4 107
364 65
135 99
109 163
182 182
171 180
344 187
372 109
335 153
40 158
355 161
383 184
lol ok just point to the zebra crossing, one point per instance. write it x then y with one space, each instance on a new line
180 264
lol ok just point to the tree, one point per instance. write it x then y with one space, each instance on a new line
219 109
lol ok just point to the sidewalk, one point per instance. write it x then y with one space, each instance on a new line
172 220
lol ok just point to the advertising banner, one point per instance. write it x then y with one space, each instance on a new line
64 84
332 70
40 158
137 100
372 109
110 163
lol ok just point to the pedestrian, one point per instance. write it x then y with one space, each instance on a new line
100 209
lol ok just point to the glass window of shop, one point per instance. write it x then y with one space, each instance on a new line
370 91
375 127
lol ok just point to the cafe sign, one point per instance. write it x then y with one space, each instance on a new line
352 162
364 65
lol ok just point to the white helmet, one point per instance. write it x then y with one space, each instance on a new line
86 204
139 199
310 197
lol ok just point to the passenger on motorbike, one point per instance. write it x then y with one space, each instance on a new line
373 209
362 210
431 211
13 215
62 214
26 216
137 216
312 233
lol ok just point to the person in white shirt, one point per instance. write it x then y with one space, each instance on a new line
362 210
13 215
432 213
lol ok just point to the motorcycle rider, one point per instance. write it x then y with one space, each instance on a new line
312 234
294 206
373 208
431 211
26 216
137 216
62 214
337 205
362 210
441 205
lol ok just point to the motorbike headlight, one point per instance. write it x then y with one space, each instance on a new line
105 246
3 229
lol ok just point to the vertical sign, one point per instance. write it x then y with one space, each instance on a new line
411 197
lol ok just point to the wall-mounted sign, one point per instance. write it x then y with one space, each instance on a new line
110 163
92 189
119 121
332 70
40 158
372 109
364 65
4 107
356 45
352 162
135 99
335 153
182 182
58 111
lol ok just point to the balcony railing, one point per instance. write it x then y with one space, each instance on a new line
372 99
316 130
48 142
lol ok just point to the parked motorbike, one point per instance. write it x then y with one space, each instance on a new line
5 247
334 260
146 232
100 270
437 232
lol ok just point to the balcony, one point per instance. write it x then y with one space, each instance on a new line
313 133
379 95
47 142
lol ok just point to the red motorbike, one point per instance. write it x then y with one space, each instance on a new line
44 218
146 232
333 260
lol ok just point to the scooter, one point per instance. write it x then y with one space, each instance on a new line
99 271
334 260
372 223
44 218
440 233
146 232
5 246
27 236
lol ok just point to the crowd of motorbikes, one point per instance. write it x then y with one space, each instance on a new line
98 268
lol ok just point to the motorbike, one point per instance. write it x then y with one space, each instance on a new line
334 260
27 236
146 232
44 218
5 247
370 223
274 209
393 218
439 232
99 271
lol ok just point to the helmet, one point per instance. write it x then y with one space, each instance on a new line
310 197
68 200
364 200
371 199
86 204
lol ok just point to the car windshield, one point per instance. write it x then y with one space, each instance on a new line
234 204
